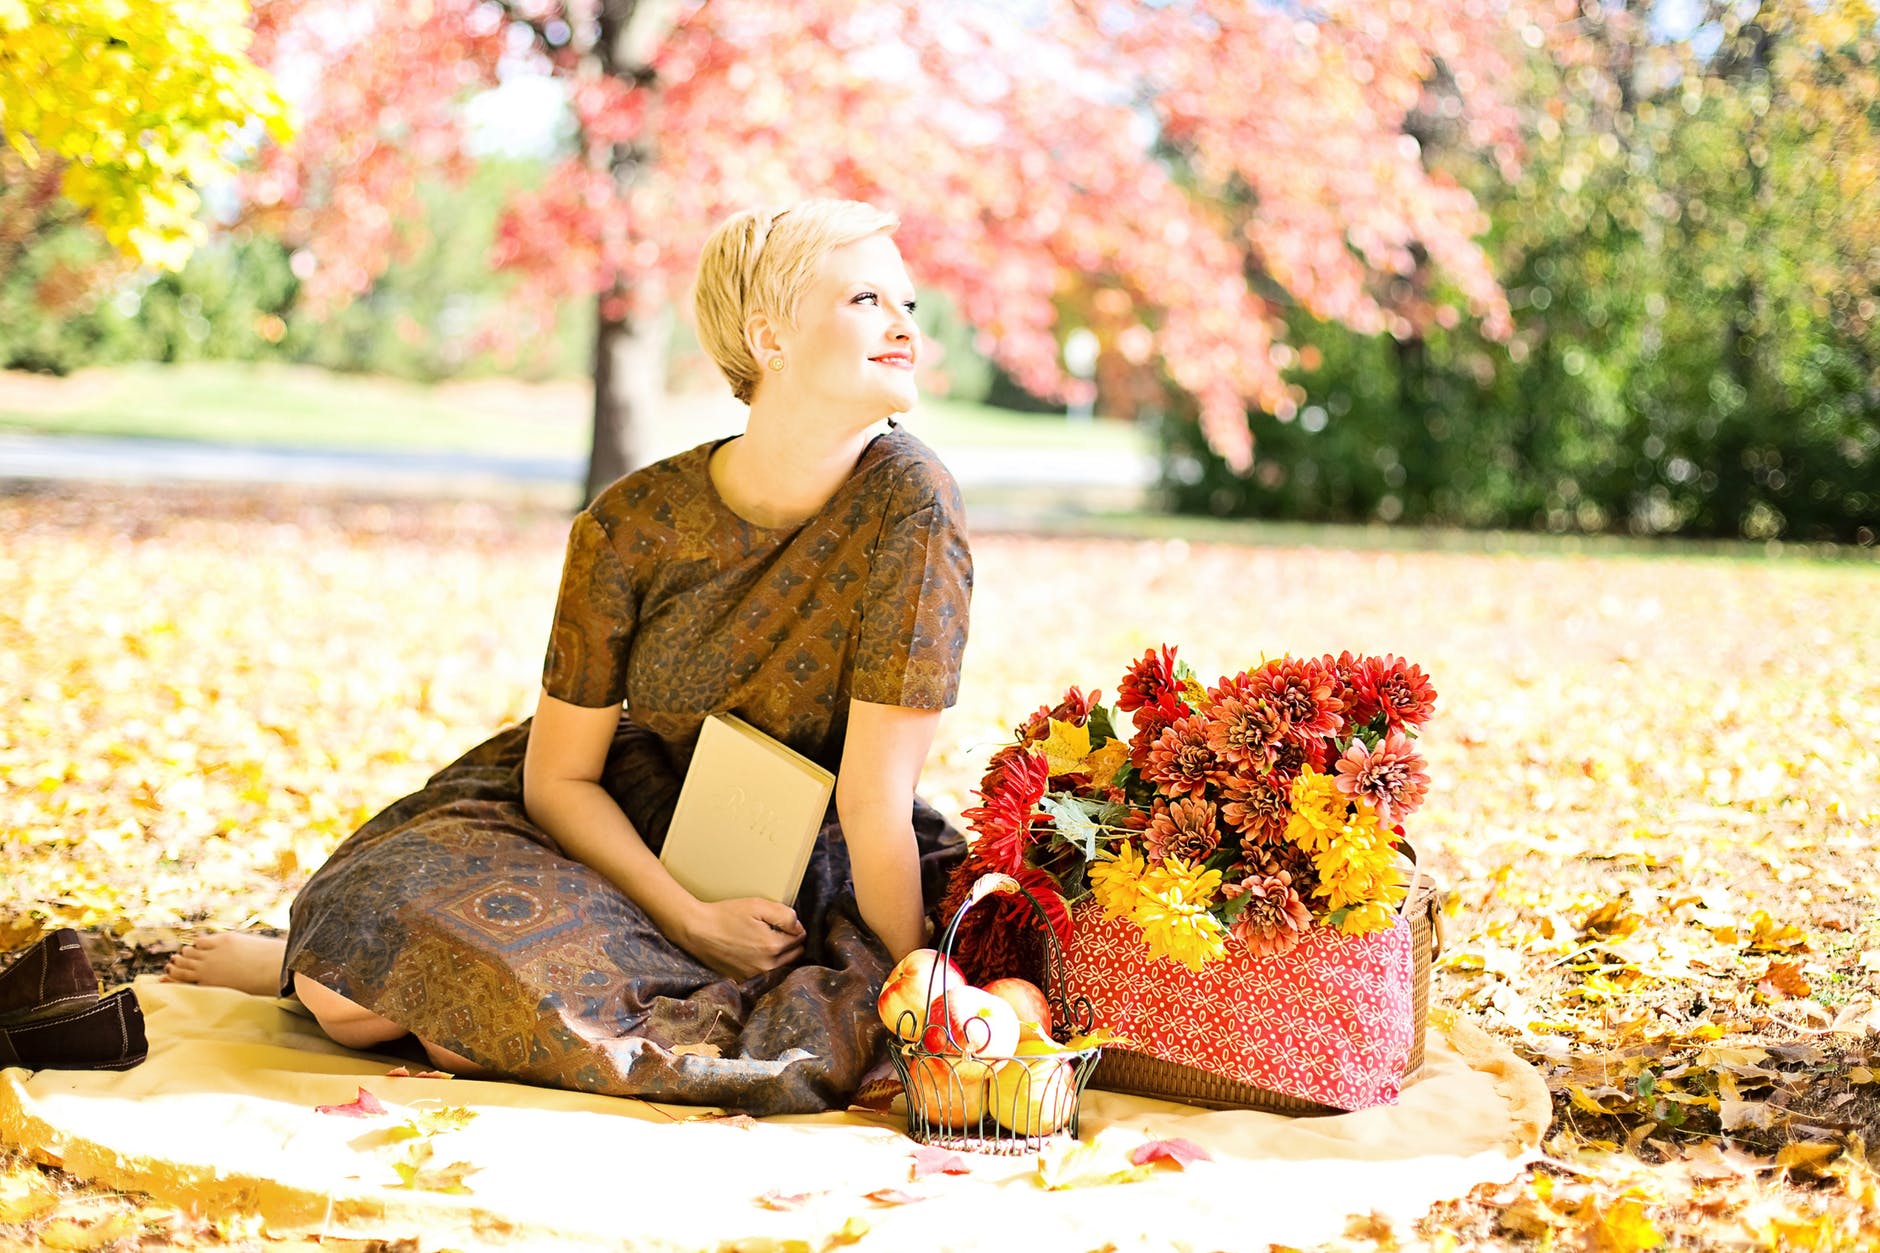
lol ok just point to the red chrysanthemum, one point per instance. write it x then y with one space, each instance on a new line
1075 707
1257 806
1147 681
1400 690
1351 684
1244 731
1179 760
1390 776
1000 936
1035 729
1274 919
1151 721
1011 790
1292 756
1304 694
1183 828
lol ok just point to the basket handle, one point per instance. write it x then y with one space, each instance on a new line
1435 907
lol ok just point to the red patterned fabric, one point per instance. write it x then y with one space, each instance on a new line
1331 1021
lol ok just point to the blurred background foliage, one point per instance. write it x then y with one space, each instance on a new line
1691 250
1693 269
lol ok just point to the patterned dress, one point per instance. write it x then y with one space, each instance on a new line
455 916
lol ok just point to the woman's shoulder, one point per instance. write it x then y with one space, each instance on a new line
912 475
653 495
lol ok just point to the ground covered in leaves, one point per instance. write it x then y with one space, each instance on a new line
1656 797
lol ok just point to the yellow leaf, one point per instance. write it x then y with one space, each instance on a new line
18 1207
1807 1159
1066 747
852 1229
1860 1074
1103 764
1621 1227
1769 936
69 1237
1074 1164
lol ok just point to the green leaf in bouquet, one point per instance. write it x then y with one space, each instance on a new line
1336 917
1101 727
1183 671
1228 910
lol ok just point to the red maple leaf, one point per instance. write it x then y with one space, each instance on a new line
362 1106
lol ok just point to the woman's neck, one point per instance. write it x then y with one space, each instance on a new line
777 474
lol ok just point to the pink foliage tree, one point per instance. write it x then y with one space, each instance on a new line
1200 162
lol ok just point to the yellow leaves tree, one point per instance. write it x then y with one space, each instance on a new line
123 109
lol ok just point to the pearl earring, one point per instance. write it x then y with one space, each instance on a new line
776 363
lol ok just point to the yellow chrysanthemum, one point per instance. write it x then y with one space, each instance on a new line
1187 880
1176 929
1116 881
1364 919
1357 869
1318 810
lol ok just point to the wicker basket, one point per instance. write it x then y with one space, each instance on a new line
1138 1074
940 1082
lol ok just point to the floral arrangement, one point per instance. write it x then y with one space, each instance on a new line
1242 813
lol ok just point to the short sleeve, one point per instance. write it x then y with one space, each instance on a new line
594 617
914 608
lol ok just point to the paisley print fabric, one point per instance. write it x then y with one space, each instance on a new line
453 915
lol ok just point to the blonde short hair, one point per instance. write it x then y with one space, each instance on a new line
763 261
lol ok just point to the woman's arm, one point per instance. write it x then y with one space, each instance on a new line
882 756
562 794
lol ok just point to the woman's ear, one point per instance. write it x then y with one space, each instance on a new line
760 335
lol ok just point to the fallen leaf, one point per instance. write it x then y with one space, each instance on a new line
1619 1227
932 1161
778 1199
430 1122
853 1228
1179 1151
1806 1159
696 1050
1736 1115
896 1196
1784 981
1860 1074
70 1237
365 1105
18 1208
1769 936
398 1072
415 1173
1076 1164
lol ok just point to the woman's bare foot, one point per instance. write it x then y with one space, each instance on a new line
231 959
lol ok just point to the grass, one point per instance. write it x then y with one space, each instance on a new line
295 406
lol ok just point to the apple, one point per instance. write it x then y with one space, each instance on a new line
914 983
1028 1002
948 1091
972 1021
1032 1097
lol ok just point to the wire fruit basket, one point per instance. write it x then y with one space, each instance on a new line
971 1090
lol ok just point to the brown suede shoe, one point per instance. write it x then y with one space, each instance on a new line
105 1036
52 977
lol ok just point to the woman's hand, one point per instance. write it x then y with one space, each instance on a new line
744 937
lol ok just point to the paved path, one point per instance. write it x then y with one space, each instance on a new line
1059 477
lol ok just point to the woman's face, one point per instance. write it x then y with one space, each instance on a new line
855 343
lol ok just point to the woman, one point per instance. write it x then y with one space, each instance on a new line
808 575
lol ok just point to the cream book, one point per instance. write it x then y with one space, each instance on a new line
748 814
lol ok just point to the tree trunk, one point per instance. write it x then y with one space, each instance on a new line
629 382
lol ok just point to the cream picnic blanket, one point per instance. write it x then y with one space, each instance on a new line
221 1117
